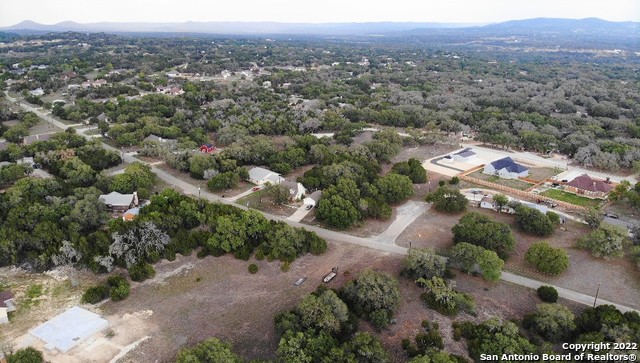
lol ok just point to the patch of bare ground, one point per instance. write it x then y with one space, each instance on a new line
193 299
619 278
218 297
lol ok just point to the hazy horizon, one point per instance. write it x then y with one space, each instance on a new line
304 11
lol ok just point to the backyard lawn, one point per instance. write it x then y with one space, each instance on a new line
511 183
571 198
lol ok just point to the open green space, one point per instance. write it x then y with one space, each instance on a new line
571 198
511 183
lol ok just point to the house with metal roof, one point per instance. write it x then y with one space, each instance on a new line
313 198
261 176
119 202
506 168
465 155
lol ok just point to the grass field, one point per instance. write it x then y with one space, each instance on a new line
571 198
511 183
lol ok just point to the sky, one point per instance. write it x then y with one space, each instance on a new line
312 11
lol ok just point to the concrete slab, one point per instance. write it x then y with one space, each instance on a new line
407 213
68 329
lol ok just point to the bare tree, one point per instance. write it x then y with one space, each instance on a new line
68 257
138 243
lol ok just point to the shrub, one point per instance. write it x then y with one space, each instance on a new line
454 181
548 294
26 355
442 183
253 268
547 259
120 292
116 280
141 271
95 294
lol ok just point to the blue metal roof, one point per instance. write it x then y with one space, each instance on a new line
465 153
508 164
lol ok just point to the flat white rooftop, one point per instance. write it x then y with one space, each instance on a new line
70 328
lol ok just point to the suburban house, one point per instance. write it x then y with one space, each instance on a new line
261 176
96 83
589 187
174 91
119 202
37 92
207 148
7 305
464 155
506 168
313 198
28 140
158 139
296 190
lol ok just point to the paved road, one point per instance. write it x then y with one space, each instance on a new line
322 232
406 214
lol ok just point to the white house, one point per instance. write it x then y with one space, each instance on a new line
261 176
506 168
313 198
7 305
37 92
296 190
464 155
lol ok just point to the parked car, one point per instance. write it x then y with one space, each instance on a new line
255 189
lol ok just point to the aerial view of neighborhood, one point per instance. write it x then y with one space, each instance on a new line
242 183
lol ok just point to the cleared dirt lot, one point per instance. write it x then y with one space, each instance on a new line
229 303
619 277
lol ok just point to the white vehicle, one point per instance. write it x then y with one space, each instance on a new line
329 277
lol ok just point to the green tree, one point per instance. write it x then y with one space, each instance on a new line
501 200
222 181
413 169
483 231
533 221
470 258
443 298
278 193
325 312
367 349
212 350
394 188
447 200
606 241
553 322
423 263
547 259
371 292
337 211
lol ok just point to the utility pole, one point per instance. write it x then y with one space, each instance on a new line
596 298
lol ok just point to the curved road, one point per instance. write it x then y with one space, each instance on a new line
323 232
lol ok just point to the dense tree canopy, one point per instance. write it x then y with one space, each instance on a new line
485 232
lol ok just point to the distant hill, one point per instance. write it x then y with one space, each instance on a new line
234 27
551 25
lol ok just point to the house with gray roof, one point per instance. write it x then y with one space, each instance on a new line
296 190
119 202
261 176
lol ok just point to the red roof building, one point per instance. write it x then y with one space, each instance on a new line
586 185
